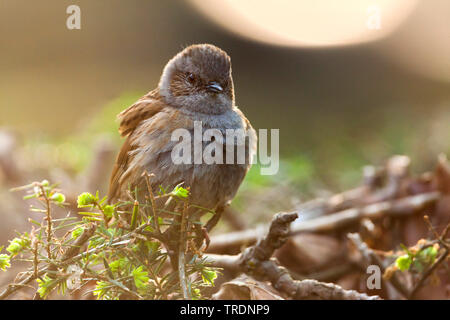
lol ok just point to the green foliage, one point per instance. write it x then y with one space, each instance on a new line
58 198
4 262
46 285
180 192
209 275
425 258
102 289
416 261
86 200
140 277
119 265
109 211
126 260
17 245
77 232
403 262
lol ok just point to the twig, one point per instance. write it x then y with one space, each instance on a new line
49 220
440 237
181 253
152 200
430 226
35 250
329 274
80 241
13 287
308 289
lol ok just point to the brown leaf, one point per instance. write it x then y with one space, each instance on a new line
246 288
305 253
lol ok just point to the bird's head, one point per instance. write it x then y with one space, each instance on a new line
198 79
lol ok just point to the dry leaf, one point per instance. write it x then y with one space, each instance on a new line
246 288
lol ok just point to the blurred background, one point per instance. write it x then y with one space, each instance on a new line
348 83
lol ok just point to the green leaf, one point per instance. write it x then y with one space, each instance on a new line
428 255
119 264
46 285
101 289
209 275
31 196
196 294
95 242
4 262
162 191
108 210
77 232
58 198
425 258
152 246
17 245
180 192
403 262
87 213
86 199
149 229
91 219
140 277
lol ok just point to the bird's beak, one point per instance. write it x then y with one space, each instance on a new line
214 87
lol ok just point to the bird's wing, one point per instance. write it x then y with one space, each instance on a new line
250 131
145 108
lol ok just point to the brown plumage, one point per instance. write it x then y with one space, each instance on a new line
196 85
129 120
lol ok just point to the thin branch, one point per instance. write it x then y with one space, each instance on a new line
49 220
147 177
13 287
181 253
35 250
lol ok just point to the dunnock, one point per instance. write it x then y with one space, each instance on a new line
196 85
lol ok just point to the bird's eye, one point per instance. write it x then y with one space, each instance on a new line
190 77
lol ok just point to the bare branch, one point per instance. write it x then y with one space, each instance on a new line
181 253
257 262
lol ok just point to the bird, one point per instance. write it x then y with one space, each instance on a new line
196 86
